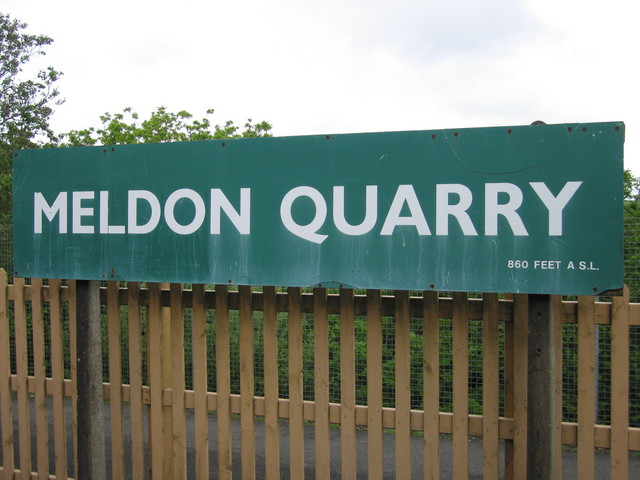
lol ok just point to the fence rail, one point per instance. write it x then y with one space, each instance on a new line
419 363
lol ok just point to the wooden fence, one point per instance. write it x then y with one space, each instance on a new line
37 382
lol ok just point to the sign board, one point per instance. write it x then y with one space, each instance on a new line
532 209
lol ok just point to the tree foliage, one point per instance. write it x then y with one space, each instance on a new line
631 242
161 126
26 104
631 189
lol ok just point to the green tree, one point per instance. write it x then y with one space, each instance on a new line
161 126
631 190
632 234
26 104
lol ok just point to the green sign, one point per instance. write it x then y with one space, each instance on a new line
533 209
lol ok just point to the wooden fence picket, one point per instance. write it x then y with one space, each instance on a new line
490 386
166 349
24 387
321 383
374 385
57 377
620 386
6 403
179 426
223 382
154 347
73 352
200 377
460 386
586 387
135 381
39 377
22 369
296 406
403 385
431 373
247 415
271 385
347 385
115 380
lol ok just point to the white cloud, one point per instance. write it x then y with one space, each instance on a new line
347 66
431 31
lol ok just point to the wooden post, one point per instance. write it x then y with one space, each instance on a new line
460 437
541 415
91 449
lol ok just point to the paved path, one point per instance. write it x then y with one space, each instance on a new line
475 451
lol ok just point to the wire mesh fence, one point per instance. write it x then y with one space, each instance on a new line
569 353
6 249
632 257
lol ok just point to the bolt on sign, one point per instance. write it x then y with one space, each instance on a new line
532 209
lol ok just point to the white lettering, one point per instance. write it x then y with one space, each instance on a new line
370 217
309 231
555 205
41 206
169 211
78 211
458 210
154 217
453 203
104 216
242 220
405 194
507 210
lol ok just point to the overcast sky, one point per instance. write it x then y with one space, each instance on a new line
347 66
